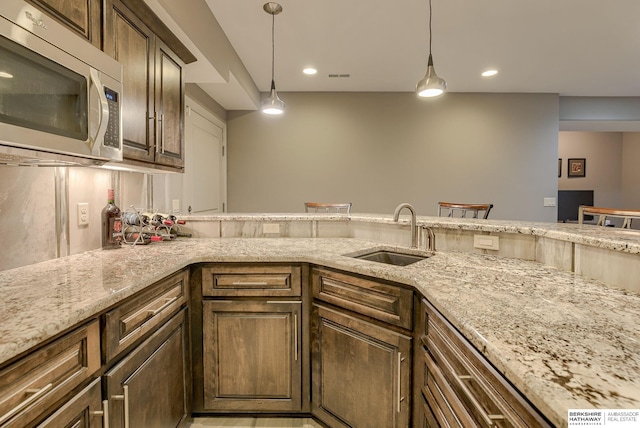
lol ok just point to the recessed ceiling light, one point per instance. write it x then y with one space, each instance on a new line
6 75
489 73
310 70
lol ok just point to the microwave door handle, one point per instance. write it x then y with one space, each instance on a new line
103 117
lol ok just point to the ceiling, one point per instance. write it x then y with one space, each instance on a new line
570 47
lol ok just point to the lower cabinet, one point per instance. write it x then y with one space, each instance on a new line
252 356
360 371
84 410
148 387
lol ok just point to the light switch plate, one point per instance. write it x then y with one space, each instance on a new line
270 228
486 242
549 202
83 213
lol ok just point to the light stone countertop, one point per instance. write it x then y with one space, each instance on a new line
564 341
625 240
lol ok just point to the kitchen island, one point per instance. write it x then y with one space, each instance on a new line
565 341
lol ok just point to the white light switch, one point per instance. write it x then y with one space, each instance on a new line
175 206
83 213
549 202
271 228
486 242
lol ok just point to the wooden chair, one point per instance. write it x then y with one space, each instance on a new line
603 213
317 207
450 209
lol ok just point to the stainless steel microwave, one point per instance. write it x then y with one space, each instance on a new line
60 96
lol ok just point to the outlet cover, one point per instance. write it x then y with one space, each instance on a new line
83 213
549 202
486 242
271 228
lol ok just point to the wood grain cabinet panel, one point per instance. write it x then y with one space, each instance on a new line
47 375
251 280
83 17
130 321
461 386
361 372
84 410
150 385
386 302
252 356
153 88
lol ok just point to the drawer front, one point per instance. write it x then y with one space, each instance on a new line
143 313
83 410
47 375
251 280
483 391
386 302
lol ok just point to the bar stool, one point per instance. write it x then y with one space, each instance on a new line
317 207
603 213
463 209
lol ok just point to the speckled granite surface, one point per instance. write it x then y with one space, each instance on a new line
588 234
564 341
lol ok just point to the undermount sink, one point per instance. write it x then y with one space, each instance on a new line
392 257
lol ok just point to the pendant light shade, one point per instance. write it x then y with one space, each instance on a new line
272 104
431 84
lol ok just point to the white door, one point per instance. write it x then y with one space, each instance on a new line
205 181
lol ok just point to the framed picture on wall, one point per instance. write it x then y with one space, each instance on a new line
576 167
559 167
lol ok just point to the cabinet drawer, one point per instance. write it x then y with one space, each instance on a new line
45 376
483 391
83 410
251 280
142 314
383 301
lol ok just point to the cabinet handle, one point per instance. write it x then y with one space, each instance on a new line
104 413
125 398
155 131
167 303
400 397
258 283
460 380
36 393
162 132
295 336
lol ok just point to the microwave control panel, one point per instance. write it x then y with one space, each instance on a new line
112 135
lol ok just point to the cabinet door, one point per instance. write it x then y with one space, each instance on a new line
252 360
82 17
360 372
84 410
150 385
131 42
169 107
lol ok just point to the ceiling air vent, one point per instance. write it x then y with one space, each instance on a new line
339 75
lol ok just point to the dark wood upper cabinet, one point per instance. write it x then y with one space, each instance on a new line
153 89
81 16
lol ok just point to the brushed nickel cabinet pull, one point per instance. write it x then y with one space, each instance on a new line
399 385
162 133
104 413
125 398
167 302
488 419
155 131
35 394
258 283
295 336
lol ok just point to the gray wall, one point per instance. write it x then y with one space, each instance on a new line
630 170
377 150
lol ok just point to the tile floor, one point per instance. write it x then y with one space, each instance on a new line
241 422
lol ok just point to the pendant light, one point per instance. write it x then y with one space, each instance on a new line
431 84
273 104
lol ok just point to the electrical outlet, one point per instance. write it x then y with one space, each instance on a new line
270 228
175 206
549 202
486 242
83 213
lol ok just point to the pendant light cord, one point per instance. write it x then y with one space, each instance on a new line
273 47
430 32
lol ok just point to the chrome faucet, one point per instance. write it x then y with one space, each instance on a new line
414 234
